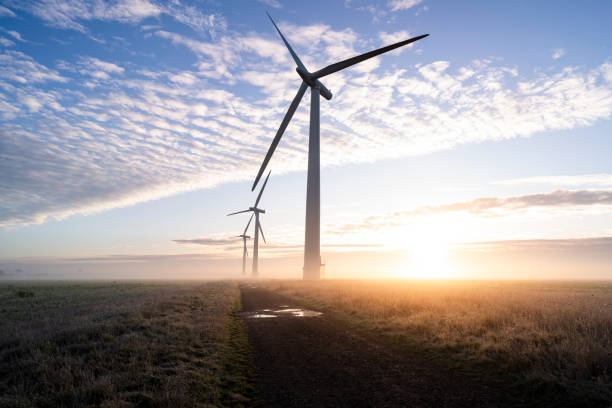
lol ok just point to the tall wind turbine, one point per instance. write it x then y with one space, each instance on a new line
256 211
312 249
245 251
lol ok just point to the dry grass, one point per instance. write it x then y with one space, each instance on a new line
555 334
118 345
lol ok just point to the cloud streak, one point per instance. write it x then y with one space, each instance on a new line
208 241
233 247
562 245
560 200
5 12
599 180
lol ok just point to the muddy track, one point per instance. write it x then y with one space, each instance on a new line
323 362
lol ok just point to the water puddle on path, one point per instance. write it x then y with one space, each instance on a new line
283 311
299 312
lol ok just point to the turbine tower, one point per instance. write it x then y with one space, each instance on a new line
245 251
312 248
256 211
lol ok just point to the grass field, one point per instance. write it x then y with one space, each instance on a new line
183 344
169 344
548 337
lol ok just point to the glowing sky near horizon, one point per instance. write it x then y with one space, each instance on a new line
130 128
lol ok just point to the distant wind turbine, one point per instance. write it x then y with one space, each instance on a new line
256 211
245 251
312 249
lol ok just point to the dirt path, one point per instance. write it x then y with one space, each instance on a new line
322 362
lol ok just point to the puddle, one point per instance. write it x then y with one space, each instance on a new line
306 313
284 311
260 316
298 312
287 310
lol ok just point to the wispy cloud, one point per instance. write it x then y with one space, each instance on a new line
396 5
133 258
208 241
193 17
390 38
5 12
6 42
558 53
94 67
23 69
561 245
490 207
596 180
14 34
271 3
72 14
102 65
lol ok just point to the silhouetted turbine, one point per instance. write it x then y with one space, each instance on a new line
312 248
256 211
245 251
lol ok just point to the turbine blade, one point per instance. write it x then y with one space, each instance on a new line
281 130
262 234
238 212
262 189
248 223
330 69
297 60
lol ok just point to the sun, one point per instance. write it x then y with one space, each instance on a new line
429 260
427 254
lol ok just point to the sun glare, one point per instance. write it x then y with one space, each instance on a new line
429 260
427 253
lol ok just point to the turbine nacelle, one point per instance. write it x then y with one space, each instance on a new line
314 83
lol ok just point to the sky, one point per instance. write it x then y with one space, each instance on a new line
129 129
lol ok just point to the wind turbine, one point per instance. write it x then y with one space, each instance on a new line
312 249
256 211
245 251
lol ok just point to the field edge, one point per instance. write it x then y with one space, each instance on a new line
238 379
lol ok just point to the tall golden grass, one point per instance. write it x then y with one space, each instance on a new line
559 332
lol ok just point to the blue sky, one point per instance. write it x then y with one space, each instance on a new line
127 125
